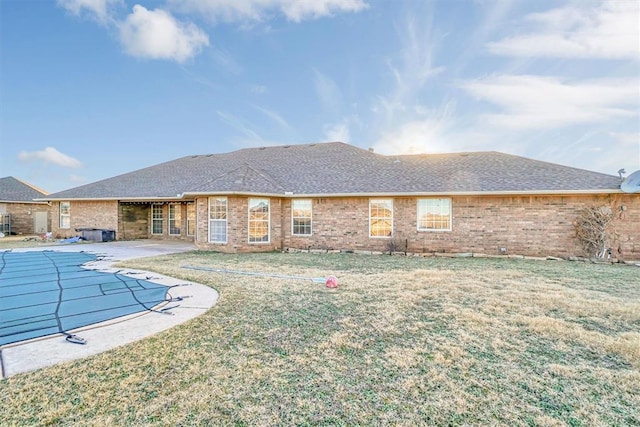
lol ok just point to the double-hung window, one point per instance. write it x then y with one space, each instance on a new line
434 214
258 220
217 219
191 219
301 217
175 219
65 214
380 217
157 219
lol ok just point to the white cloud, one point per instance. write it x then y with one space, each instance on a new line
260 10
299 10
405 122
412 66
49 156
328 92
535 102
419 44
100 10
431 131
156 34
275 117
629 139
258 89
606 29
241 126
337 132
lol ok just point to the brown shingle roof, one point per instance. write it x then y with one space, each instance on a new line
337 168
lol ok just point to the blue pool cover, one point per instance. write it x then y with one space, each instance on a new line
47 292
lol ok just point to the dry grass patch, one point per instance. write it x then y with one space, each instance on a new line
401 341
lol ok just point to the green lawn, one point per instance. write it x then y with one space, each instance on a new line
401 341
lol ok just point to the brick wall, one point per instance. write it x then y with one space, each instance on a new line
23 216
238 226
85 214
338 223
526 225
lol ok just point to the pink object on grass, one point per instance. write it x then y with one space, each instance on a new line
331 282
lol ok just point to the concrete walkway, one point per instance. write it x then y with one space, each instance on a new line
46 351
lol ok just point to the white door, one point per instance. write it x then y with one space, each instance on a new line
40 221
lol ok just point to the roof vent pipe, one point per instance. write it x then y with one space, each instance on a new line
621 172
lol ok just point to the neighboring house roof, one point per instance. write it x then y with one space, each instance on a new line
13 190
336 168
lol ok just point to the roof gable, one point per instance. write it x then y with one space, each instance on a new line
240 179
14 190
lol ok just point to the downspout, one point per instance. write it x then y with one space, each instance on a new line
282 224
197 221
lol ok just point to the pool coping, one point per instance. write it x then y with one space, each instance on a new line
189 300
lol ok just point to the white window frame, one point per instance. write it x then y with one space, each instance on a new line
440 204
371 217
172 219
310 217
66 216
154 219
212 221
191 223
255 202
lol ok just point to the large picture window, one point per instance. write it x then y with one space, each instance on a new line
65 214
258 220
380 218
157 219
434 214
218 219
301 217
175 219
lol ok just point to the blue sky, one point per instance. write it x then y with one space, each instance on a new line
90 89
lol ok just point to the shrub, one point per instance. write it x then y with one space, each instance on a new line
592 230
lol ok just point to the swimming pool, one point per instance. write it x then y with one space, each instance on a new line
47 292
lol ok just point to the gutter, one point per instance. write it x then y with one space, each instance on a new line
114 199
32 202
291 195
464 193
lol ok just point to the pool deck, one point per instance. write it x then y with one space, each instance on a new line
34 354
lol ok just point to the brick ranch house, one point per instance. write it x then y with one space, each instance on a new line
336 196
19 212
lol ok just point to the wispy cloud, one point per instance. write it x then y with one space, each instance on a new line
258 89
629 139
536 102
261 10
338 132
607 29
156 34
98 10
241 126
275 117
404 120
49 156
419 42
328 92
